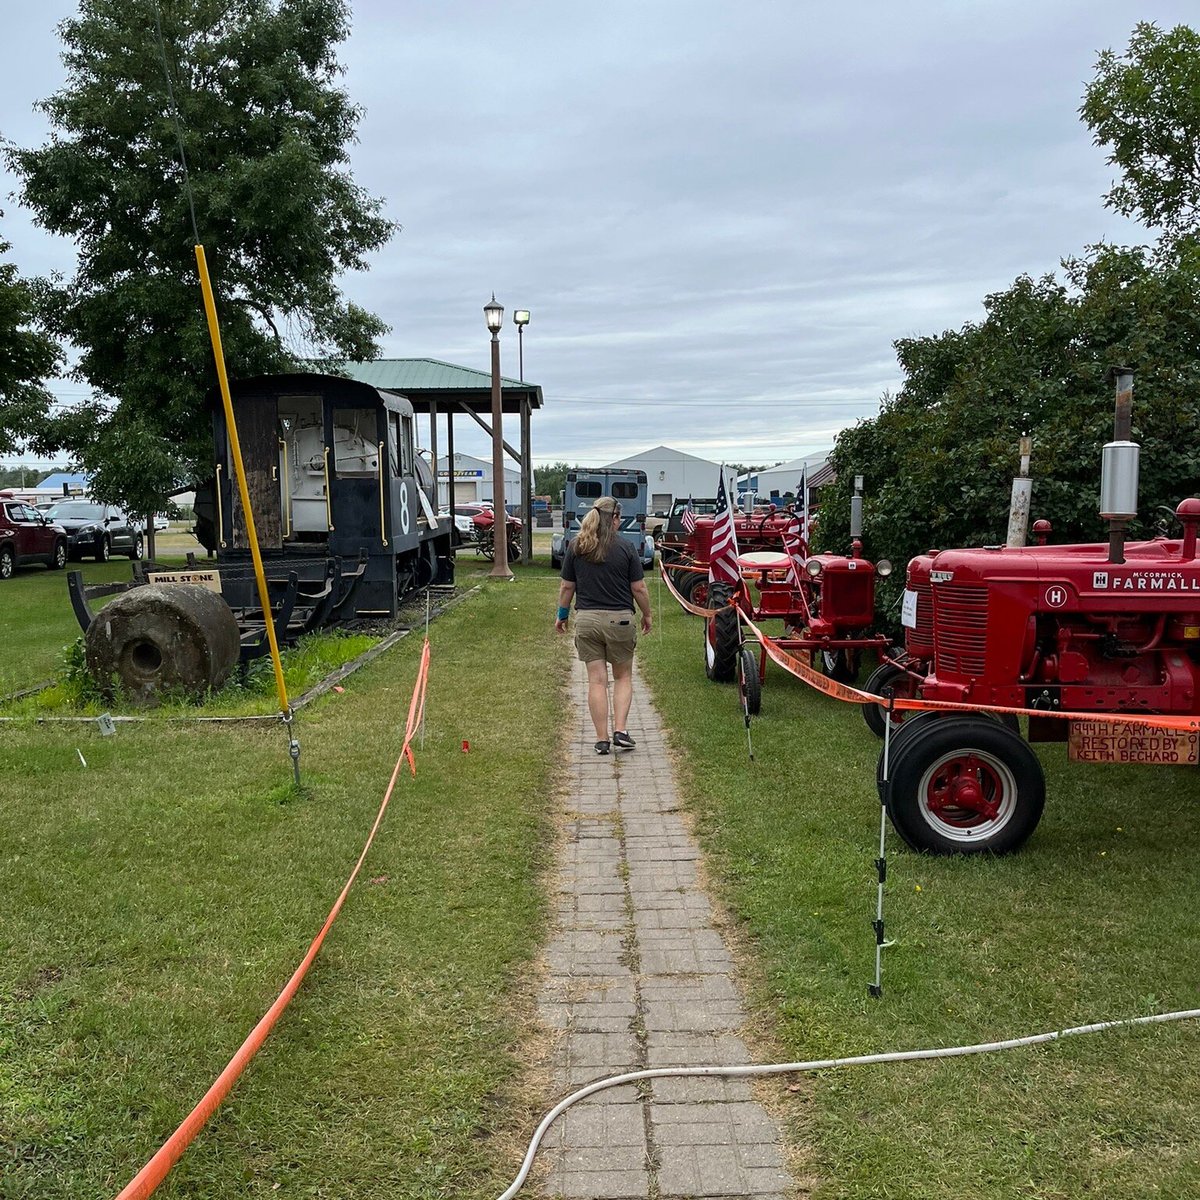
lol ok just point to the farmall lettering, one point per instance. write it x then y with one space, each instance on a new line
1144 581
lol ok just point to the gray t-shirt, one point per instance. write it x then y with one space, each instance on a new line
603 585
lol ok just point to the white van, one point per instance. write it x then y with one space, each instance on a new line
584 488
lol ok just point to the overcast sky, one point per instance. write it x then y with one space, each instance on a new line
721 215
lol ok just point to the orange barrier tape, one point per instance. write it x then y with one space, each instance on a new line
148 1179
852 695
695 609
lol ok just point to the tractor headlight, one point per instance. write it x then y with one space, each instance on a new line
884 567
813 567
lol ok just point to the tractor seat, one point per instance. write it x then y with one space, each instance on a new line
763 560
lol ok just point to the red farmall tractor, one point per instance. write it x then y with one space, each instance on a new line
759 531
1111 630
825 601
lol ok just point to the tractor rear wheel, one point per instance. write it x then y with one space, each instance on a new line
903 685
749 684
722 635
963 785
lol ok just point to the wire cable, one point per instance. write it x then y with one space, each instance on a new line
823 1064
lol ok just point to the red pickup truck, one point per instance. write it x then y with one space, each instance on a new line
27 536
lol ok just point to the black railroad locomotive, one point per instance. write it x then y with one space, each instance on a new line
341 500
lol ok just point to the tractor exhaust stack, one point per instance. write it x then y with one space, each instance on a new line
1022 495
1119 468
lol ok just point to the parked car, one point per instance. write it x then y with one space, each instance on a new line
465 529
27 536
98 530
160 523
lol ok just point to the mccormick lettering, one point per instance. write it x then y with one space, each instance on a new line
940 576
1145 581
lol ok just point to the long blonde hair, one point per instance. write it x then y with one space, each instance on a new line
596 531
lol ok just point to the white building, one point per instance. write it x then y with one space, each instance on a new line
472 480
673 475
785 478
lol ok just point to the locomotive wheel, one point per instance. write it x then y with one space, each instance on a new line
840 665
749 684
722 636
902 684
963 785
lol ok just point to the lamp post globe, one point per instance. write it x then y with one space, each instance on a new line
493 314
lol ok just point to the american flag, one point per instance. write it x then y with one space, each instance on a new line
723 553
795 548
689 517
802 500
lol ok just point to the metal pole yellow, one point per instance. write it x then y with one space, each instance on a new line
214 331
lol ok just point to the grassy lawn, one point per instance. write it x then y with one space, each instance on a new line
158 899
38 621
1097 918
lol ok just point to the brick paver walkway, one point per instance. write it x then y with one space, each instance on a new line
638 977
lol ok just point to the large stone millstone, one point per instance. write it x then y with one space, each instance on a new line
167 637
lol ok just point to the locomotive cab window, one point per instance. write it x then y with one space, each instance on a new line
355 446
588 489
624 491
394 442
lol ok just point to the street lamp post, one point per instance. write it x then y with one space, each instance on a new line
494 315
520 320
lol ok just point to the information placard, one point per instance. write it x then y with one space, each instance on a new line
208 579
1124 742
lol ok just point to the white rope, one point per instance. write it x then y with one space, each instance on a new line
820 1065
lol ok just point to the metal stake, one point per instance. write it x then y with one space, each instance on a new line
876 988
293 745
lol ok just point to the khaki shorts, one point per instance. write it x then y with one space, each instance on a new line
605 634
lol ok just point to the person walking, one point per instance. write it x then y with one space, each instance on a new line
603 572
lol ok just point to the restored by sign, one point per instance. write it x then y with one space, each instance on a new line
1125 742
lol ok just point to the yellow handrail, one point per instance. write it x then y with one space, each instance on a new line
220 513
287 492
382 522
328 509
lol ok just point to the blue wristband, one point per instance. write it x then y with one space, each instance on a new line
563 613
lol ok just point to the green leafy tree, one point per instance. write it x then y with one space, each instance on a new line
551 479
265 130
939 459
1144 107
27 357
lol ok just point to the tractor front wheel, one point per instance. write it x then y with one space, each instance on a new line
693 587
749 684
903 685
840 665
963 785
722 635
